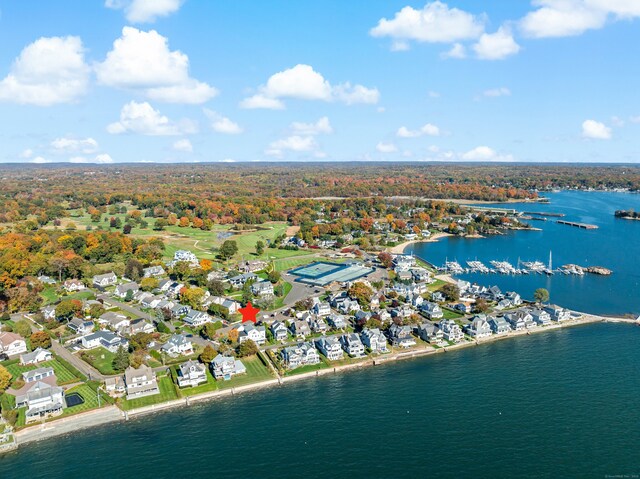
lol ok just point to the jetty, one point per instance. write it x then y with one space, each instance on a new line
540 213
585 226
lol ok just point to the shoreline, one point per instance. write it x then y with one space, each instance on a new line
399 248
112 414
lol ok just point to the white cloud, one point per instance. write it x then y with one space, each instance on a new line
221 124
595 130
434 23
484 153
497 92
143 119
304 83
322 126
293 143
496 46
563 18
400 46
183 145
142 60
457 51
47 72
634 119
428 130
102 159
73 145
40 159
433 94
144 11
26 154
386 147
617 121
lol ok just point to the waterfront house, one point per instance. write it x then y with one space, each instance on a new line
431 310
514 297
541 317
177 345
12 344
352 345
115 385
123 289
479 328
300 355
38 355
374 340
451 331
140 382
401 336
279 331
557 313
330 347
249 331
300 329
81 326
499 325
42 399
191 373
196 318
73 285
153 271
225 367
104 280
106 339
430 333
38 374
337 321
262 289
516 321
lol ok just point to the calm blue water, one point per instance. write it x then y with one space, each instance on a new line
615 245
555 404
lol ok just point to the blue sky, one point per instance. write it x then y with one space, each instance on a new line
331 80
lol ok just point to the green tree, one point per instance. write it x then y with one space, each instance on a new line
133 269
5 379
208 354
259 247
140 341
450 291
209 330
121 359
23 328
216 287
541 295
40 339
274 276
247 348
228 249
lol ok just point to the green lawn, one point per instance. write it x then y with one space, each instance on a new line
287 264
64 373
101 359
450 314
279 301
256 372
167 393
210 385
308 368
49 295
89 393
436 285
81 295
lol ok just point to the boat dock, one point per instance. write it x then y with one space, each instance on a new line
585 226
540 213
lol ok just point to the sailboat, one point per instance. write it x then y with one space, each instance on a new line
549 270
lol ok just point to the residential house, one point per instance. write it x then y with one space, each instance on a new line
81 326
374 340
451 331
330 347
541 317
196 318
106 339
140 326
104 280
72 285
352 345
38 355
499 325
462 307
321 308
279 331
115 385
191 373
252 266
150 301
240 280
319 325
153 271
12 344
514 297
123 289
337 321
430 333
42 399
557 313
300 355
184 255
300 329
249 331
140 382
437 296
44 279
479 328
516 321
38 374
115 321
431 310
401 336
225 367
177 345
49 312
262 289
229 305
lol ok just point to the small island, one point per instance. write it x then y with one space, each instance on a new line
627 214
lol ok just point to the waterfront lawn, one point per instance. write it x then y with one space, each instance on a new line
65 373
309 368
435 286
167 393
89 392
210 385
256 372
101 359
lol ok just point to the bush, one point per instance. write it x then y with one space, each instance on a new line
11 416
163 328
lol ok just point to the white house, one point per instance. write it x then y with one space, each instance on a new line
140 382
184 255
42 399
106 339
123 289
153 271
115 321
104 280
262 289
12 344
352 345
431 310
541 317
300 355
225 367
479 328
279 331
249 331
38 355
330 347
72 285
557 313
431 333
451 331
191 373
196 318
499 325
176 345
374 340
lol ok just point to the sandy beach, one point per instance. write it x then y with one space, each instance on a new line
399 248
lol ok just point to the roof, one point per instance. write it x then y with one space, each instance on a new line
7 338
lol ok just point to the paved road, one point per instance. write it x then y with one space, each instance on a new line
133 310
76 362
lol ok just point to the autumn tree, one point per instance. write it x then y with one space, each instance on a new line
192 297
5 379
40 339
361 292
481 305
133 269
208 354
247 348
385 259
233 335
450 291
149 284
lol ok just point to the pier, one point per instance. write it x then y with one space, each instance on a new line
585 226
539 213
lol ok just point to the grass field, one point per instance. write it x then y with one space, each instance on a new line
167 393
210 385
451 314
285 264
89 393
256 371
64 374
101 359
308 368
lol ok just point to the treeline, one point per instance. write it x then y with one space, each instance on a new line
627 214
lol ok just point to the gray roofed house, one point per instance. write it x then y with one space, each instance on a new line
37 374
114 320
279 331
153 271
430 333
42 399
374 340
300 329
140 382
140 326
249 331
177 344
300 355
239 280
401 336
451 330
499 325
123 289
81 326
541 317
196 318
191 373
330 347
479 327
431 310
352 345
104 280
38 355
337 321
106 339
225 367
262 288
